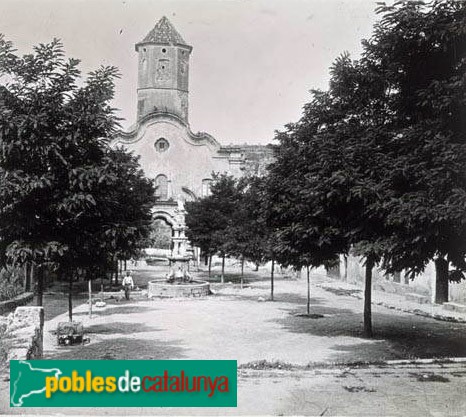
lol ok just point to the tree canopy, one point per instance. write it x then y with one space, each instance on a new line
376 163
66 198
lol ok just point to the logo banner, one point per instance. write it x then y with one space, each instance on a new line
123 383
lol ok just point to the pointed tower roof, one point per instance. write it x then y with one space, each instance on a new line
163 33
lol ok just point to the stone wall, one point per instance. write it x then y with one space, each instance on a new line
163 289
423 284
20 300
24 333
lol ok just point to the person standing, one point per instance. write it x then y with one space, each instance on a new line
128 284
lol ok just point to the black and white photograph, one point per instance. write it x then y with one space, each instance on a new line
233 207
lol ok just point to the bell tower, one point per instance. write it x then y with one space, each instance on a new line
163 72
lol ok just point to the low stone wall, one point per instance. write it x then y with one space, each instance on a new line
120 295
24 333
20 300
163 289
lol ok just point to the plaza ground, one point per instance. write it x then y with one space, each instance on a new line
290 363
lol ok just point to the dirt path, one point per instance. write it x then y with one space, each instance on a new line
238 324
233 324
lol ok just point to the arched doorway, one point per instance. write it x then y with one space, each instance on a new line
162 232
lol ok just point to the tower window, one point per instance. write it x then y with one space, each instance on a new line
164 50
161 145
163 70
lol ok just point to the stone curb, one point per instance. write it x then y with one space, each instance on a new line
418 312
359 364
392 362
442 361
415 311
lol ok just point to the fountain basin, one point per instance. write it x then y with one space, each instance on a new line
161 288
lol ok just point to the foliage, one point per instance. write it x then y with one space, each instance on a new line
66 198
231 220
11 284
247 232
118 225
208 219
420 50
376 163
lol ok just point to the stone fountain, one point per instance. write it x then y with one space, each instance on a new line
178 282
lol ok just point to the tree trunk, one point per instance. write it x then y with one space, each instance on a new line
441 281
242 271
125 265
345 259
32 277
89 285
222 277
40 285
257 267
206 260
115 265
368 298
271 279
308 306
210 265
27 277
70 298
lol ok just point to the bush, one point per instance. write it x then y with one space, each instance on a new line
5 342
11 284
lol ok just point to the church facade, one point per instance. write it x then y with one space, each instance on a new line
180 161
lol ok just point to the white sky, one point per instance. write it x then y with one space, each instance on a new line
253 62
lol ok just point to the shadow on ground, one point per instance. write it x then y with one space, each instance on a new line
120 348
56 304
115 309
282 297
396 336
119 328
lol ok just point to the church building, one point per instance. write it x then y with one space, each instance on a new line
180 161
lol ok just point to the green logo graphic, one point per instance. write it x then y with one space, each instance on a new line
135 383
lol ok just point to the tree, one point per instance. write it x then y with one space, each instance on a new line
247 234
66 199
200 227
207 219
420 50
117 226
371 166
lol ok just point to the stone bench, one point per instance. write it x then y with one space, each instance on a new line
460 308
417 298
